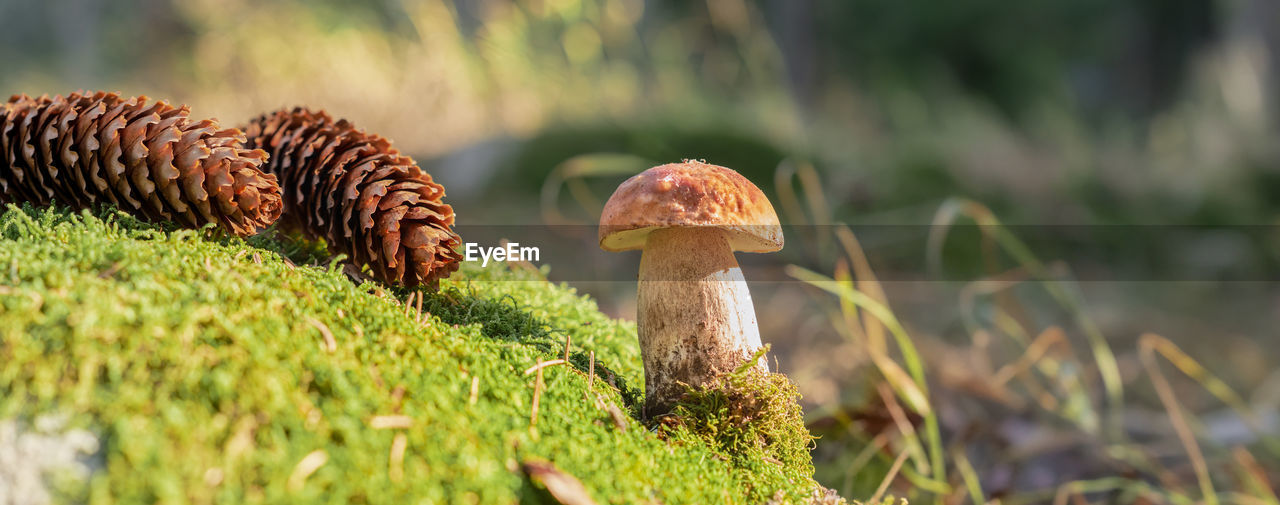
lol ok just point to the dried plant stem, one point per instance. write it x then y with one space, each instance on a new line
888 478
537 395
543 364
396 459
591 372
1146 348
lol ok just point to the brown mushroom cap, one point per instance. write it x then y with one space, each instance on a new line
689 194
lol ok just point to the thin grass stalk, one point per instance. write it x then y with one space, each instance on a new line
915 391
1108 367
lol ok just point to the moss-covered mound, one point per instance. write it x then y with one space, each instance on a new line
751 418
213 370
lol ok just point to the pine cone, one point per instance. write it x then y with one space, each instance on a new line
361 195
150 160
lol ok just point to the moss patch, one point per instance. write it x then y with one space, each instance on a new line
752 419
214 371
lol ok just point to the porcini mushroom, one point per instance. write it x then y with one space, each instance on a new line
694 312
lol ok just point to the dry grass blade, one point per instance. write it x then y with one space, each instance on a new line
787 198
970 476
571 172
408 303
904 425
591 373
417 317
1214 386
395 460
1147 353
619 419
565 488
911 385
888 478
864 456
845 317
811 184
330 344
305 467
1106 484
543 364
1046 340
1255 476
989 225
866 282
391 422
537 395
989 286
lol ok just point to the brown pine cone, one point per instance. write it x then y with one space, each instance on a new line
361 195
150 160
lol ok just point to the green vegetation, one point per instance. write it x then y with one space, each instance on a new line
214 371
753 419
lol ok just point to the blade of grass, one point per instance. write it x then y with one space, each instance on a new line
909 435
577 168
864 456
811 185
866 282
1015 330
888 478
1050 337
1101 485
1214 386
1255 477
970 477
1108 367
1147 353
915 391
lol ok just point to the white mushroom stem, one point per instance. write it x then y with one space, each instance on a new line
696 319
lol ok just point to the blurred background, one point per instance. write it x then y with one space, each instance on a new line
945 356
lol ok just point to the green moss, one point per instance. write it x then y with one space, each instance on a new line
203 365
752 419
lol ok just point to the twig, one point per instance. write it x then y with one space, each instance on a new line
396 460
330 344
408 303
543 364
418 318
390 422
591 373
568 341
537 395
619 419
305 467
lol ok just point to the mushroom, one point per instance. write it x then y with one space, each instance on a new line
694 311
